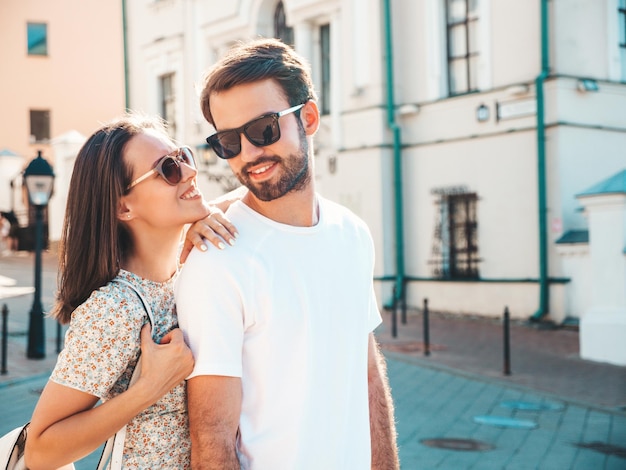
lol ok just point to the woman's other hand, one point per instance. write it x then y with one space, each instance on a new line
215 228
164 365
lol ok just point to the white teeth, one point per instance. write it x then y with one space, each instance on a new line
190 194
261 170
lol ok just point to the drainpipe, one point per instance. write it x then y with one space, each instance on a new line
541 168
125 39
397 160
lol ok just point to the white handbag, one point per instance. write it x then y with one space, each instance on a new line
12 444
12 450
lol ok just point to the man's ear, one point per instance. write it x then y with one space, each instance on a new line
310 115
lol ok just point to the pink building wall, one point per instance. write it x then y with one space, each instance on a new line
80 80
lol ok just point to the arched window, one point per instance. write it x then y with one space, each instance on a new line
281 30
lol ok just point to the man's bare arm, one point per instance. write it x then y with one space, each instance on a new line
382 423
214 407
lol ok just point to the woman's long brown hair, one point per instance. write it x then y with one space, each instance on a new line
94 242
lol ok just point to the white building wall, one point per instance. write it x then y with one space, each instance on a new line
498 170
580 49
603 325
514 41
10 168
576 265
66 148
584 156
443 142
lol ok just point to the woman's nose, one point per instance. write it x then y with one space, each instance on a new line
188 171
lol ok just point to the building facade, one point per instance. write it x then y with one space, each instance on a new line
481 140
63 71
461 131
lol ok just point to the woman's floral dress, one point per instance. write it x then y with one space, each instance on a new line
101 349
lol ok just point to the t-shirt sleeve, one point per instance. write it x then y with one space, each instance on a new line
102 341
373 314
374 318
210 313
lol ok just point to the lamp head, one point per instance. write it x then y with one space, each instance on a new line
39 180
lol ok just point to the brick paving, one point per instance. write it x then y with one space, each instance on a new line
541 358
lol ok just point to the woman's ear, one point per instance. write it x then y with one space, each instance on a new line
124 212
310 115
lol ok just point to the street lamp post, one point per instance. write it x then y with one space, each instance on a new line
39 180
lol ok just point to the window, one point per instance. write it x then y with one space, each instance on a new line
462 29
621 15
168 102
39 125
325 69
281 30
455 242
37 38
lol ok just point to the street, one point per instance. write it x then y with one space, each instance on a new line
447 418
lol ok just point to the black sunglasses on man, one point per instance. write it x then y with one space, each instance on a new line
260 132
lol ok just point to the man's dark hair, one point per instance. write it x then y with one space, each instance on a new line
257 60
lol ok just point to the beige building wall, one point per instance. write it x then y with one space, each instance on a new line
80 80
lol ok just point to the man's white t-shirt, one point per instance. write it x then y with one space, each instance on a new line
289 310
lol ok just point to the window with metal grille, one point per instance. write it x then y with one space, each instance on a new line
39 125
621 15
281 30
325 69
168 102
37 37
462 47
455 241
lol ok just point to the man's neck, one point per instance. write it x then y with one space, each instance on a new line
299 208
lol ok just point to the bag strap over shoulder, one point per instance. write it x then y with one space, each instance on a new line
145 303
114 447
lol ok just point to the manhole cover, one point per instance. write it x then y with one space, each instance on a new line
531 406
608 449
465 445
504 422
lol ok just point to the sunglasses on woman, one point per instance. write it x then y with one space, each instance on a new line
168 167
260 132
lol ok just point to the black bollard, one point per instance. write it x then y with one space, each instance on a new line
426 332
59 333
507 343
403 304
5 335
394 317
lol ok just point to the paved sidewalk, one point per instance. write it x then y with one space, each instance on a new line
16 292
541 358
567 413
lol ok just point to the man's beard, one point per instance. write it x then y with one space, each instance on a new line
296 174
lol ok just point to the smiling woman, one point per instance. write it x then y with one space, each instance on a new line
131 193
